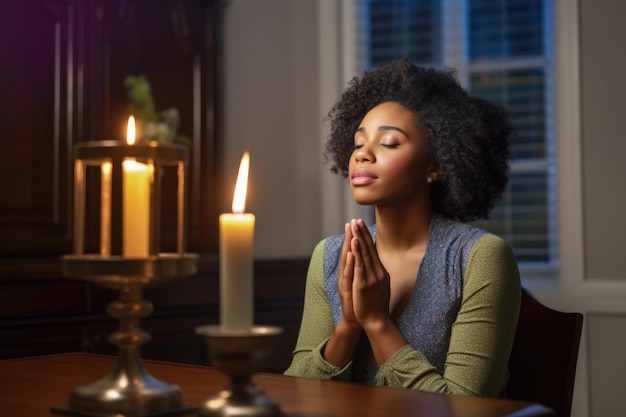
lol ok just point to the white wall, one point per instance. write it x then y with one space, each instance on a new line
596 280
270 108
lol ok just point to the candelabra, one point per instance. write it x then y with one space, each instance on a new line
129 260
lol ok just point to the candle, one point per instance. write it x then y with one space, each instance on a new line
236 252
136 203
105 209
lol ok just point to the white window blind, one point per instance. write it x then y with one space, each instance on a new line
502 50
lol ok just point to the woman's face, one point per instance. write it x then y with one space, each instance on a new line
388 165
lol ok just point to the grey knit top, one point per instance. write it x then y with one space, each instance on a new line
459 323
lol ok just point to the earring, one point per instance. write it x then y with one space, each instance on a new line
429 180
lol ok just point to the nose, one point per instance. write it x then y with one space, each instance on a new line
363 154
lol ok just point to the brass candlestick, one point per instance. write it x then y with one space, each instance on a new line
128 390
239 355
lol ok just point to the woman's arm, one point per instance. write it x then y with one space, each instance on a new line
482 334
316 327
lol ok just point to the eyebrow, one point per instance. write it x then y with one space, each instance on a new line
384 128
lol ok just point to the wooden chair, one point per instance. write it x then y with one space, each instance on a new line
545 351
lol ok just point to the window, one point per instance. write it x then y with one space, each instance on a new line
502 50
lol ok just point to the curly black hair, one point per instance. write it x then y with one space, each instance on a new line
468 136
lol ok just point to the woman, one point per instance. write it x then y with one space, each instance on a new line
421 299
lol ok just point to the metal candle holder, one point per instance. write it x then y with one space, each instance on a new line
239 355
128 389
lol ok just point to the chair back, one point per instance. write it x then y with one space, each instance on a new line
543 359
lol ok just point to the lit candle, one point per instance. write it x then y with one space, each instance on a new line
136 202
236 252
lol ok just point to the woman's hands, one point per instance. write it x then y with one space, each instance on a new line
345 281
363 282
340 347
365 290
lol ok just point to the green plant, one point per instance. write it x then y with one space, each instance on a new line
152 125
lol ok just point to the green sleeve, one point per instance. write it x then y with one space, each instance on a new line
482 334
316 328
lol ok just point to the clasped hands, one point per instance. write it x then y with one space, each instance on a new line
364 288
363 282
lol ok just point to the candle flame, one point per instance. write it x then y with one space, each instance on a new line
130 131
239 199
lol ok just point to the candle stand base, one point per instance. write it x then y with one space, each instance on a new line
128 390
112 397
239 355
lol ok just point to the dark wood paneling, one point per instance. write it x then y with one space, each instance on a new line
35 43
62 81
43 317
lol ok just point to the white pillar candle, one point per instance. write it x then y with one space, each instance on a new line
136 203
236 260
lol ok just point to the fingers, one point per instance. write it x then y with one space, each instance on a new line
349 268
370 281
346 246
345 281
359 230
366 257
346 264
357 260
346 276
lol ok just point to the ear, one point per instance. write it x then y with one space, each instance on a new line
434 170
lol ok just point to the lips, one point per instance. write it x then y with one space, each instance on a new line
362 177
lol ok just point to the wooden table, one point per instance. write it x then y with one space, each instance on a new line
30 386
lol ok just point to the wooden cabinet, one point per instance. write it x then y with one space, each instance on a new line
62 70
